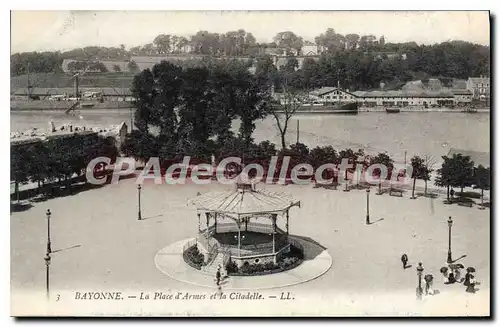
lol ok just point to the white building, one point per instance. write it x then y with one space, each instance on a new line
331 94
309 49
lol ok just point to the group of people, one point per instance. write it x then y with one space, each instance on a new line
452 274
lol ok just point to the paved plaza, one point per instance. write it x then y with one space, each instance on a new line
98 244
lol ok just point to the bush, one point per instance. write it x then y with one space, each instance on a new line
231 267
193 257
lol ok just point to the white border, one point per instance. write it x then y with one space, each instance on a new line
199 5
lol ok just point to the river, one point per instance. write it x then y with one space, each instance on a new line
417 133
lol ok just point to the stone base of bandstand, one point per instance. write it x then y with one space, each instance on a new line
317 261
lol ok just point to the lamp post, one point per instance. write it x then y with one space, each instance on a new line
450 223
139 217
368 206
49 249
420 270
47 272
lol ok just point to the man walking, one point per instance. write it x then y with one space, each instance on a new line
218 275
404 260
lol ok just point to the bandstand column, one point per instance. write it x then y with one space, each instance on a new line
199 223
274 232
287 218
215 222
207 215
239 238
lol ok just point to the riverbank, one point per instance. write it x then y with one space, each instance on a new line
50 105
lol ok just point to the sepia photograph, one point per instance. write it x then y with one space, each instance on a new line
250 163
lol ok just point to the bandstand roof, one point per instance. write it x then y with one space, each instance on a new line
245 201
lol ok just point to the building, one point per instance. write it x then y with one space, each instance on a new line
404 98
332 94
480 88
462 96
309 49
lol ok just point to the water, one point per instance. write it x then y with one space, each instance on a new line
417 133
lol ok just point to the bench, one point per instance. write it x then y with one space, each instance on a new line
396 192
465 204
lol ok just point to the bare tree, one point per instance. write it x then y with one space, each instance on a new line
289 103
429 163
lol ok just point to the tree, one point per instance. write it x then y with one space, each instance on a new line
162 43
132 66
482 180
284 111
288 40
352 41
418 171
456 171
331 41
382 158
429 163
116 68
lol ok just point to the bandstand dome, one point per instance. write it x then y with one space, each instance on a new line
245 200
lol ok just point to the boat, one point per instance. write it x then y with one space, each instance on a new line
392 110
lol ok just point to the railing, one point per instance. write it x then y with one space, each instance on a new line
251 227
212 253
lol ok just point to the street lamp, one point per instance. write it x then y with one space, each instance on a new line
420 270
368 206
47 273
139 217
450 223
49 249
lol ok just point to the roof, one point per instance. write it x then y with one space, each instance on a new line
479 158
461 92
244 201
404 93
479 79
326 90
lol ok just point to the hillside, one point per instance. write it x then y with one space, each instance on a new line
55 80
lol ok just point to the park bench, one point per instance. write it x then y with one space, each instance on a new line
396 192
465 204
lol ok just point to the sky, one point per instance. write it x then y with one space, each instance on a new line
65 30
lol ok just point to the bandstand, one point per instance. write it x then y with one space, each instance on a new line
246 226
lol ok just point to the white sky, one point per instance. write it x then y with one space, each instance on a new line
63 30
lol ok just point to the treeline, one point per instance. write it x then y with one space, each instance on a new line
449 59
58 159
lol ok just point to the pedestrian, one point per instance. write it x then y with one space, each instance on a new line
444 271
218 275
452 193
471 284
404 260
428 284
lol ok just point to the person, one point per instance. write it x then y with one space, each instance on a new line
471 284
452 193
444 271
218 275
404 260
451 277
458 275
428 284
